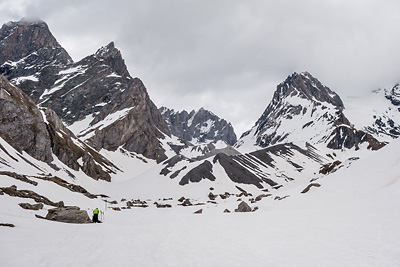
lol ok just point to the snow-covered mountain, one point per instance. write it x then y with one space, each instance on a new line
303 110
198 126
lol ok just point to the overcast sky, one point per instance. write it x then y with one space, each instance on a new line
228 56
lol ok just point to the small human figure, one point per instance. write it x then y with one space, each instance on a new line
96 215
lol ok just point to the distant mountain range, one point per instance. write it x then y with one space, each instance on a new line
92 119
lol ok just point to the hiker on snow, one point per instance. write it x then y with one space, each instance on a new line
96 215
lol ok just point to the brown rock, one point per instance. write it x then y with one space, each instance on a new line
309 187
243 207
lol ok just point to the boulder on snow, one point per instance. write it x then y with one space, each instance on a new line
211 196
68 215
243 207
28 206
227 211
200 211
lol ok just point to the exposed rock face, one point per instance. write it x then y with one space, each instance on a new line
22 125
201 126
27 48
137 130
32 42
68 215
80 89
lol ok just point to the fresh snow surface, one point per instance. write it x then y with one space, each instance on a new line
19 80
351 220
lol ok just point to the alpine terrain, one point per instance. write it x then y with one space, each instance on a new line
316 176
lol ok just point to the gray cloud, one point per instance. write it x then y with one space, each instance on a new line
228 56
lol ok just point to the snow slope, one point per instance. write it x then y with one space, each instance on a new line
352 219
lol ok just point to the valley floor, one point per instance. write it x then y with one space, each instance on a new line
278 234
352 219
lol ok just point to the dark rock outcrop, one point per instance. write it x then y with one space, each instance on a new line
236 172
68 215
195 175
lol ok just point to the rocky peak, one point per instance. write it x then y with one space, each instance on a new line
306 86
302 109
201 125
30 41
113 57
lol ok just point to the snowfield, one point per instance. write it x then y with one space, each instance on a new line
352 219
